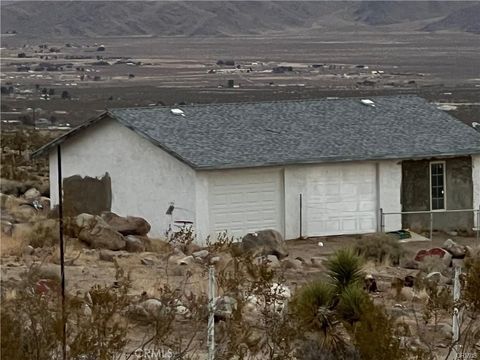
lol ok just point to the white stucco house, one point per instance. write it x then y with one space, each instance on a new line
244 167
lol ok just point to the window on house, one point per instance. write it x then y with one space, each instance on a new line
437 183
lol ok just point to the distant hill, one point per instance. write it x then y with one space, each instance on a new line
227 18
394 12
466 19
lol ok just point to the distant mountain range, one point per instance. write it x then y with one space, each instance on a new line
230 18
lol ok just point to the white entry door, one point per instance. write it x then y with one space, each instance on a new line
245 201
341 199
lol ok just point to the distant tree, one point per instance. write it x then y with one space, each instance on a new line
37 87
22 55
53 119
51 91
65 95
4 90
11 89
44 91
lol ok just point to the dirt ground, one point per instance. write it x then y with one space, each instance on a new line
87 269
149 271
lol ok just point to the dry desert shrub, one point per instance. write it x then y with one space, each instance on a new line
160 246
432 264
11 246
43 234
381 248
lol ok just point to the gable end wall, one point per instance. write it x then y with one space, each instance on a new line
144 178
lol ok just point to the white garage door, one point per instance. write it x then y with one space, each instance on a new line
245 201
341 199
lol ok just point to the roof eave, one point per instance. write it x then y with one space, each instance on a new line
336 160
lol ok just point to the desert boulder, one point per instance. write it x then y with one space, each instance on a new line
94 231
129 225
264 243
458 251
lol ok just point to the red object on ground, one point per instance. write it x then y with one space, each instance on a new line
430 252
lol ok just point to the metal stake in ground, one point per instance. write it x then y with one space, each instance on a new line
457 316
62 251
211 315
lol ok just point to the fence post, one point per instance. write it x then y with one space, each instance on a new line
62 249
456 313
211 315
301 215
431 226
478 224
382 225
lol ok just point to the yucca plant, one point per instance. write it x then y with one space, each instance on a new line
313 305
314 308
344 269
352 303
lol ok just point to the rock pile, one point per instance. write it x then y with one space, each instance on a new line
113 232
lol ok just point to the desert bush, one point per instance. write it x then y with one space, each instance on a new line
260 326
182 239
380 247
313 304
470 301
312 350
159 246
222 243
352 302
431 264
100 333
345 268
43 234
472 283
31 327
375 337
32 322
314 308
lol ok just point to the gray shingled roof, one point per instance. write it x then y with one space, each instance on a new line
239 135
275 133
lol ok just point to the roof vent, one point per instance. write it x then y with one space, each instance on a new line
177 112
367 102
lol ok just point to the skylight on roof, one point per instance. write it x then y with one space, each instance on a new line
367 102
177 112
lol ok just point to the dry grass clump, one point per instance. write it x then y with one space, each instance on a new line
11 246
160 246
43 234
381 248
432 264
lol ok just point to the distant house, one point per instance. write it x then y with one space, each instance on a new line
313 167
